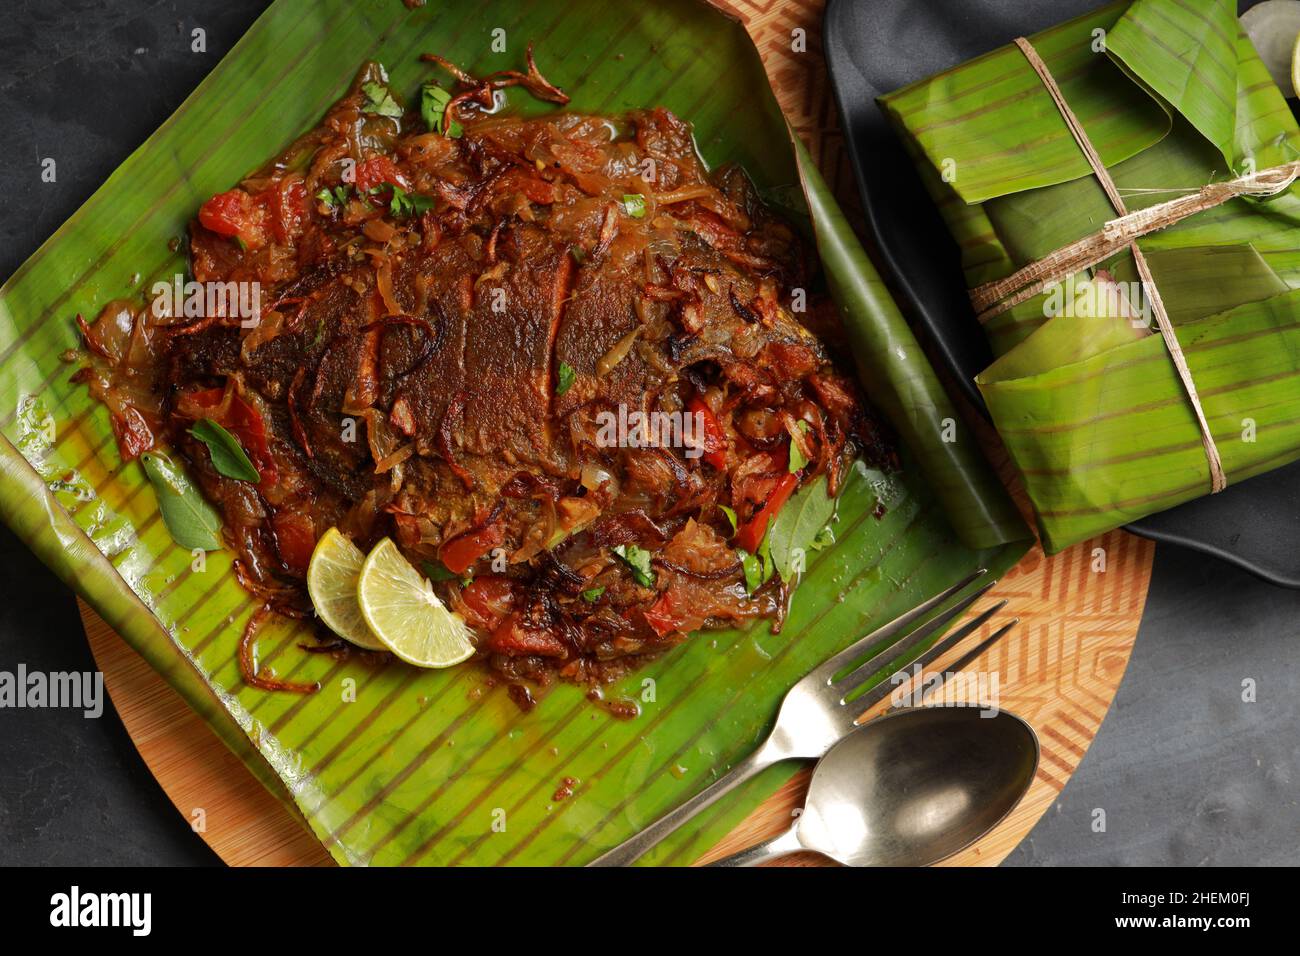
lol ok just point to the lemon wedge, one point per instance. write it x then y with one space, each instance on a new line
332 584
400 608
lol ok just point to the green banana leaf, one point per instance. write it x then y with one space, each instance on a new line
1073 401
390 764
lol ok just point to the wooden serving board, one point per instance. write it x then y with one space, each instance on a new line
1058 669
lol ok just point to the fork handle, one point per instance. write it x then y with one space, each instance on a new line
633 848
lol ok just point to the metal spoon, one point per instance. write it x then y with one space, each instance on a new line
909 789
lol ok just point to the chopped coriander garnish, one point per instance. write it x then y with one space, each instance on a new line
565 379
634 205
338 196
638 561
379 100
408 204
592 595
433 107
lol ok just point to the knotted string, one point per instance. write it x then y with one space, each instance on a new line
1055 263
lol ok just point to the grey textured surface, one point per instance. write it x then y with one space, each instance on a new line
83 82
73 791
1185 771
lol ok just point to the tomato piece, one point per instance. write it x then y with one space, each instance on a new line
525 181
224 213
463 550
781 458
662 616
207 397
715 439
376 171
133 434
488 599
289 200
516 638
295 539
236 214
246 424
750 535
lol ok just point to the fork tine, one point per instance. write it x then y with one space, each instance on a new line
854 680
861 705
969 657
875 695
898 625
960 665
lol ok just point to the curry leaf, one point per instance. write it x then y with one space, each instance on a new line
798 527
404 203
228 457
638 561
191 521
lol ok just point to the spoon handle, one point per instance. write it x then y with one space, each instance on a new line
630 850
781 845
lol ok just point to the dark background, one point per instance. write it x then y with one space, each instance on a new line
1186 772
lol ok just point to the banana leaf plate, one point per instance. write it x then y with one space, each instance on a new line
389 764
876 46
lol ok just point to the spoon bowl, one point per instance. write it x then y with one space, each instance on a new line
911 788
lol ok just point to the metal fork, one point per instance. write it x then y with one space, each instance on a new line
822 708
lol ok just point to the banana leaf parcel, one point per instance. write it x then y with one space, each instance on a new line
391 764
1173 97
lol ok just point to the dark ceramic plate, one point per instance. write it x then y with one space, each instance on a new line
875 46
